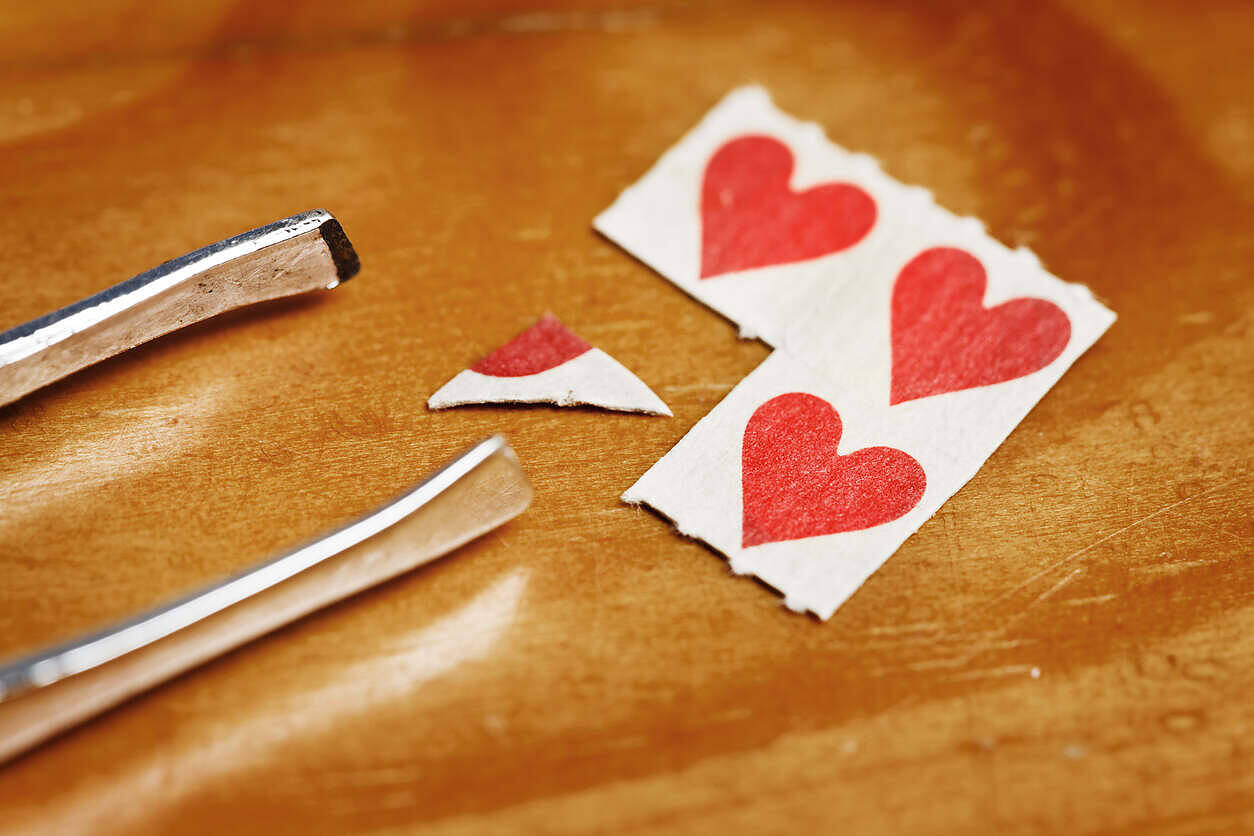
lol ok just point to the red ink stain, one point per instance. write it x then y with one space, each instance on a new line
543 346
751 218
795 485
945 340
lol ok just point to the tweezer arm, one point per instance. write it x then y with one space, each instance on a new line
305 252
53 690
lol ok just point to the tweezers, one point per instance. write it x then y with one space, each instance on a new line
302 253
52 690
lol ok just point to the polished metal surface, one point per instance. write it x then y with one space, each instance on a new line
83 654
294 255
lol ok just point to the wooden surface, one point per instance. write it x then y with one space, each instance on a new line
1067 647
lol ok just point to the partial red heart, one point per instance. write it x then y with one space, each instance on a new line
750 217
944 339
795 484
543 346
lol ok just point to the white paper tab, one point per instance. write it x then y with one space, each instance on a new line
792 480
754 211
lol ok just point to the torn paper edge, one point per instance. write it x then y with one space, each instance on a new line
812 147
594 378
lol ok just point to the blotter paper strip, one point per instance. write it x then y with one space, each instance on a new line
751 178
902 363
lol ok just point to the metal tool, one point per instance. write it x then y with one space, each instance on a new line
48 692
305 252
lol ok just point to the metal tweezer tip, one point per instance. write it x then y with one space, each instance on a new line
305 252
52 690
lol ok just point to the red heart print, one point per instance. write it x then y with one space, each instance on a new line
751 218
794 484
944 339
543 346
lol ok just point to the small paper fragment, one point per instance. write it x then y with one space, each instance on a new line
548 363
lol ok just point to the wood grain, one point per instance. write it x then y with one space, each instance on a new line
1065 647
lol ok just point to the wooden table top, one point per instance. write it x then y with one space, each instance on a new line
1068 646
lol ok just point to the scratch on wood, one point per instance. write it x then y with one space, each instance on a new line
1092 599
1111 536
894 629
990 673
987 645
1168 567
1049 593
